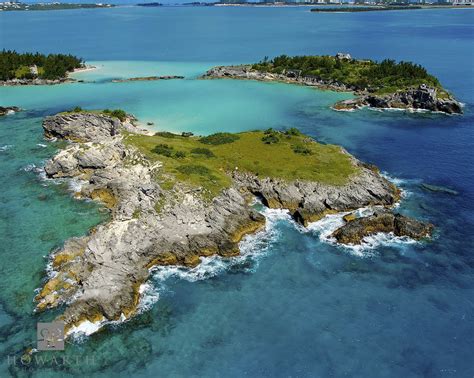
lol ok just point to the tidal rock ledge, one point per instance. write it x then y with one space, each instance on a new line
98 276
355 230
422 98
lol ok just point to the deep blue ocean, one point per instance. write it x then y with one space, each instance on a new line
293 305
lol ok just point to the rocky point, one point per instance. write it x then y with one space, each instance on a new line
98 276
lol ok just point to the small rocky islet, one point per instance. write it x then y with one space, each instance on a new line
384 85
175 198
5 110
149 78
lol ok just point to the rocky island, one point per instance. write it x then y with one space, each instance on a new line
174 198
4 110
383 85
149 78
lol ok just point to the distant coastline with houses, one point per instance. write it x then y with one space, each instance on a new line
14 5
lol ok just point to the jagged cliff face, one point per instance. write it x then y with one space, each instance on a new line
99 275
310 201
422 98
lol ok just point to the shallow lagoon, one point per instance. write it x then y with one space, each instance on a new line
293 305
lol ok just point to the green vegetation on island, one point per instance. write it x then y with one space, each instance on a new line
14 65
206 161
386 76
117 113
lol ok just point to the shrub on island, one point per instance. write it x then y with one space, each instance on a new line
270 137
118 113
163 149
298 149
194 169
219 138
203 152
293 131
168 151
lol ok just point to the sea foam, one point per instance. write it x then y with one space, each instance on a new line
252 247
325 227
32 168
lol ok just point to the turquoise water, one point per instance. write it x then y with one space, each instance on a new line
293 305
201 106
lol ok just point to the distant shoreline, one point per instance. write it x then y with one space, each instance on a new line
378 8
320 8
11 7
339 8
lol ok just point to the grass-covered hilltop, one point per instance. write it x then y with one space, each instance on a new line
29 66
205 162
176 198
385 84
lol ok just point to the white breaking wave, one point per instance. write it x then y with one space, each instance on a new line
412 110
85 328
32 168
330 223
395 180
148 297
252 248
75 185
5 147
401 184
326 226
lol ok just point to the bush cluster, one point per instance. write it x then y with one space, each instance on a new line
293 131
219 138
118 113
168 151
203 152
270 137
299 149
